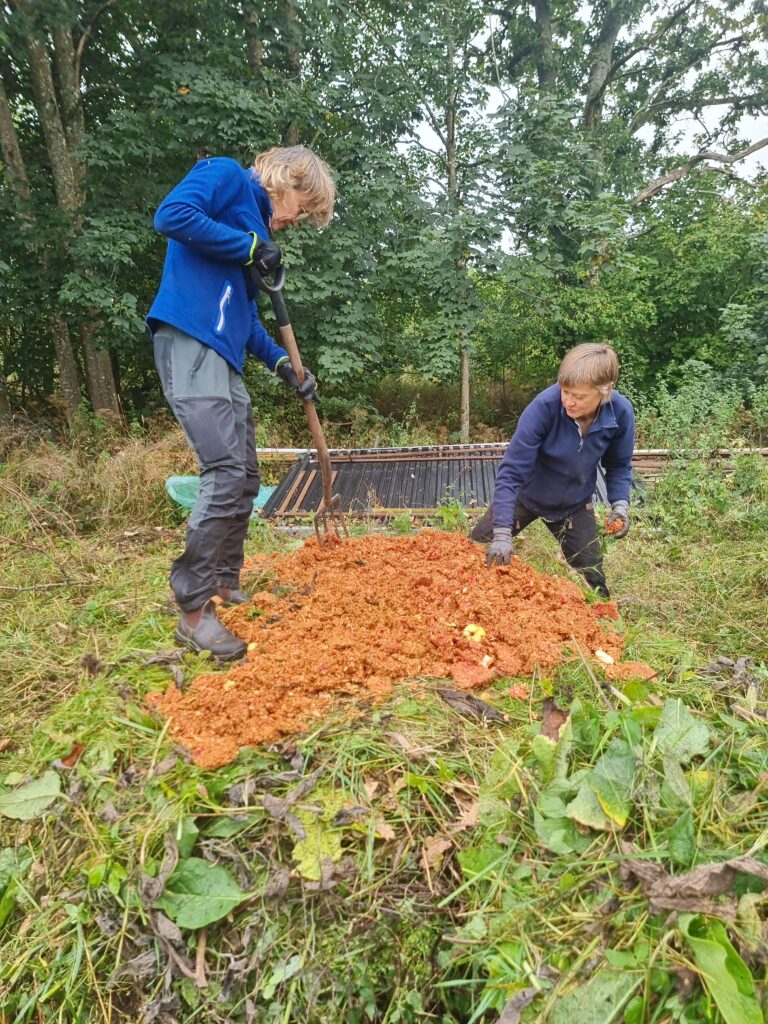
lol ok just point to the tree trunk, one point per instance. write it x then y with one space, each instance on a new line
454 202
5 404
69 378
65 179
545 58
253 45
101 377
9 146
601 58
291 134
464 426
63 132
69 375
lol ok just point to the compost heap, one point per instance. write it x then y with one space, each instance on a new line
357 617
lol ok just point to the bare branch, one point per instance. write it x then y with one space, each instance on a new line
648 42
647 114
86 33
695 162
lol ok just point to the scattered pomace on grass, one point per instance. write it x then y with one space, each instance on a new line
356 618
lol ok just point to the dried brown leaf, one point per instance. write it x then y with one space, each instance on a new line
152 889
470 815
691 892
515 1006
383 829
414 752
553 719
433 850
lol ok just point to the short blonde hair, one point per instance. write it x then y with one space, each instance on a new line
296 167
589 363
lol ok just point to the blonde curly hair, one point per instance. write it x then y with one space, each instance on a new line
295 167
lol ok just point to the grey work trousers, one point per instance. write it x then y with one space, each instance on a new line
577 536
210 402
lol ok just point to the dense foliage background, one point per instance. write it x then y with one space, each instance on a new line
513 180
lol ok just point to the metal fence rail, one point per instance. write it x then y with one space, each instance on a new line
382 482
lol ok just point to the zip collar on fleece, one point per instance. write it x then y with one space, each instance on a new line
606 417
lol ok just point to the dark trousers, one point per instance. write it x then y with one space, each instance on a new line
210 401
577 536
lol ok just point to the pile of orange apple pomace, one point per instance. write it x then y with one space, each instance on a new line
353 619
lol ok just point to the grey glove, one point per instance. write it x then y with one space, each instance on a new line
306 390
619 510
500 549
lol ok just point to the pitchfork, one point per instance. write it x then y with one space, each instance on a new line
329 516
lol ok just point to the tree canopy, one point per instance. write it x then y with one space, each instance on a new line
512 180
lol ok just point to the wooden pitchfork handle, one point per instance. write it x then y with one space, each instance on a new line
274 289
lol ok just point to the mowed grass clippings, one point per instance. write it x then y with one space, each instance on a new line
396 867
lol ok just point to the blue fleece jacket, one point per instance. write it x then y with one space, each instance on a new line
205 290
552 469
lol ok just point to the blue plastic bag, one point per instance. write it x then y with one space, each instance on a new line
184 490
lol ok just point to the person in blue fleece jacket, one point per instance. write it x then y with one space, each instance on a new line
549 469
203 321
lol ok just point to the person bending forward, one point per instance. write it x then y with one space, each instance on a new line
549 469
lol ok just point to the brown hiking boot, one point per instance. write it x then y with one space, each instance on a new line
210 635
230 597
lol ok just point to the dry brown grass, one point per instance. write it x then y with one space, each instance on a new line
93 485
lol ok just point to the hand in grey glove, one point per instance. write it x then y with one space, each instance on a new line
619 511
500 549
306 390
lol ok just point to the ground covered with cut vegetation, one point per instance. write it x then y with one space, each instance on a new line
553 847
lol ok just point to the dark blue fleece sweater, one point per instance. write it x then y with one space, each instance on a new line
205 291
552 469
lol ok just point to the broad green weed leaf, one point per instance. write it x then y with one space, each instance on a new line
611 780
186 835
545 752
199 893
586 810
31 799
553 756
621 958
723 972
681 840
674 776
560 835
476 860
680 737
322 841
600 1000
225 827
13 864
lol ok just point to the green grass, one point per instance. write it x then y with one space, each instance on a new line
460 884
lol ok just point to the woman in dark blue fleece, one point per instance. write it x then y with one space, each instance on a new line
204 319
549 470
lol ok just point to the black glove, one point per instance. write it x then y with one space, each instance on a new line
620 511
306 390
500 549
265 257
